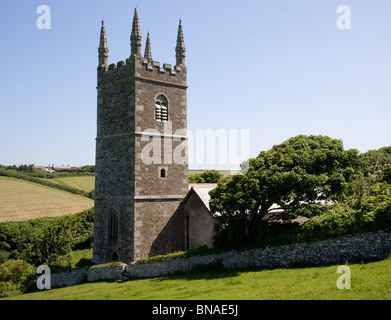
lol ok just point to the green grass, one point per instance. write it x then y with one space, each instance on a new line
76 259
23 200
81 258
369 281
85 183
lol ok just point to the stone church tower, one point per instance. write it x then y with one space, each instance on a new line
141 152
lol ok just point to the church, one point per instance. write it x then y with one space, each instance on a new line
144 206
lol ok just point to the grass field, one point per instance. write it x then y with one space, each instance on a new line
21 200
369 281
85 183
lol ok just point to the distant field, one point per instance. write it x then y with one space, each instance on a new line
21 200
85 183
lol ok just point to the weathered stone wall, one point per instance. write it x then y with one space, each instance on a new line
125 181
157 198
353 248
376 245
151 218
199 223
73 277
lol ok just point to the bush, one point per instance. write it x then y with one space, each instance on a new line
15 277
208 176
341 219
338 220
16 271
4 256
44 240
8 289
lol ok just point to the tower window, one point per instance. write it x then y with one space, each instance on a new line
113 225
161 109
163 173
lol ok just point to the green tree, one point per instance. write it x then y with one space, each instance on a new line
208 176
50 242
15 271
297 176
376 167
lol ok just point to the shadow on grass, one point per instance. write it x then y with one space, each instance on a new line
215 271
201 272
197 276
83 262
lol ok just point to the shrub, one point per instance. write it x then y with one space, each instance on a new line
336 221
15 277
208 176
341 219
45 239
8 289
16 271
4 256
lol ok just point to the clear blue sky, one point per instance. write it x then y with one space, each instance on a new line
276 68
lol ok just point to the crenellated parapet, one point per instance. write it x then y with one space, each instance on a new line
142 69
137 66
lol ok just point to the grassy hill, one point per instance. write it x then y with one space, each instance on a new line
369 281
85 183
22 200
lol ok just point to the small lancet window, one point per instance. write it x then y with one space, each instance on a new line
161 109
163 173
113 225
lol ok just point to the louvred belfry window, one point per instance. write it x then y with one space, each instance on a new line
161 109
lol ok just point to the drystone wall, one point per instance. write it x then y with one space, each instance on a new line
368 246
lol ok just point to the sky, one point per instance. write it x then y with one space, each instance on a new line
264 70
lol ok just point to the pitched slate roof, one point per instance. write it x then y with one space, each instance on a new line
202 190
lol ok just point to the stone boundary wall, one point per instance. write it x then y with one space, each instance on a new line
367 246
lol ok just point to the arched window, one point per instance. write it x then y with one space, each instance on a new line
114 257
163 173
113 225
161 109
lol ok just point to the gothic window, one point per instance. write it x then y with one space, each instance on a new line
114 257
161 109
113 225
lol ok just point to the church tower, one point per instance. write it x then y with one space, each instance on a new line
141 152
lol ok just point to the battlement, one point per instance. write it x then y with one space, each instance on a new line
149 65
152 65
141 68
138 67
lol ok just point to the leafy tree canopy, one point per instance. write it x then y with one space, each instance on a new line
208 176
302 171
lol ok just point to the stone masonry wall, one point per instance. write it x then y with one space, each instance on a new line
126 182
368 246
